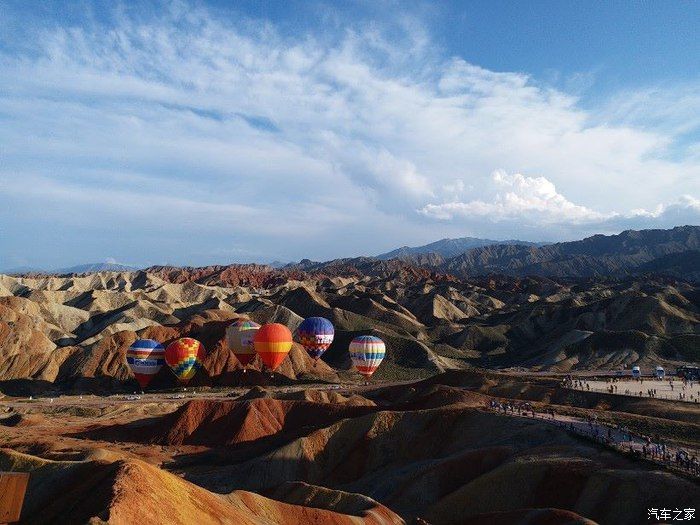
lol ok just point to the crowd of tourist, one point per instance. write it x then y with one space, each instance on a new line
678 388
612 435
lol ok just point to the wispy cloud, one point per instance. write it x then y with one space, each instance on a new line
315 145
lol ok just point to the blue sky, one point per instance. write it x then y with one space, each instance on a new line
199 133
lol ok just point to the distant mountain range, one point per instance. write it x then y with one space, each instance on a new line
81 268
19 270
97 267
674 252
597 256
447 248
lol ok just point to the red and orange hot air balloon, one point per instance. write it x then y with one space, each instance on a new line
272 343
184 357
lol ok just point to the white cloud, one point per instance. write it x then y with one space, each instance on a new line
684 210
676 111
229 126
533 202
527 198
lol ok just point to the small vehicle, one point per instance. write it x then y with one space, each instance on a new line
132 398
176 396
636 371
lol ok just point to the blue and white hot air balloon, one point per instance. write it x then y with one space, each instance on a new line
315 334
145 358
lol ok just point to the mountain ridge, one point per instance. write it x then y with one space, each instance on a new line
631 252
671 252
449 247
77 269
595 256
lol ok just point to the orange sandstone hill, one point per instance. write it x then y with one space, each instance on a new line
422 452
105 489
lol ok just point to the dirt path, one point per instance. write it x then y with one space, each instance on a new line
617 438
182 396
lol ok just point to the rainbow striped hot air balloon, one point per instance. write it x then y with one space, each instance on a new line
367 352
239 336
184 357
272 343
315 334
145 357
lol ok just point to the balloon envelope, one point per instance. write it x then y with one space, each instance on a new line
315 334
145 357
239 336
184 357
272 343
367 352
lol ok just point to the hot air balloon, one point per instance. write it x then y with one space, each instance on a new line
367 352
239 336
315 334
184 357
145 358
272 343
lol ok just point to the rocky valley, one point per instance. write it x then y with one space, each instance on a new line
469 419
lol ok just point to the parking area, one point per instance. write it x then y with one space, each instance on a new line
672 388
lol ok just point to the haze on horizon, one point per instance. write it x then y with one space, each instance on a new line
199 133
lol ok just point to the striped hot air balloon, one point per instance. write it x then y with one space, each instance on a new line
145 358
272 343
367 352
239 336
184 357
315 334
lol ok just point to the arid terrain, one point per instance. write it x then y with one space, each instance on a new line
70 333
469 418
433 451
292 262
